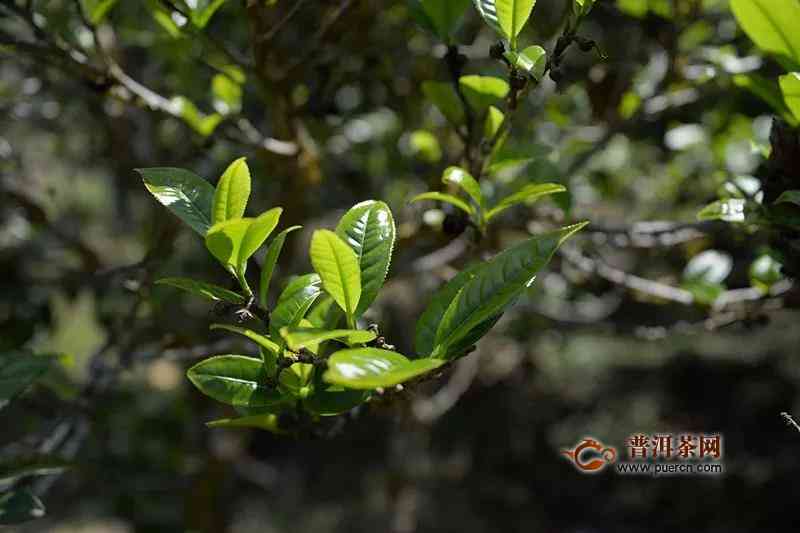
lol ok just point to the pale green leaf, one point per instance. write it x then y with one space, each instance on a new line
338 268
297 380
445 98
224 241
372 368
232 192
483 91
203 10
766 89
494 120
258 232
790 89
187 195
771 24
507 17
368 228
96 10
267 421
532 60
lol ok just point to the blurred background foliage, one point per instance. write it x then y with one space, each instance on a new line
651 322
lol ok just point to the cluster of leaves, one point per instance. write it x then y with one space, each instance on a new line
314 360
774 26
18 371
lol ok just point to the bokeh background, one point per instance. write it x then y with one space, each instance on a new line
642 139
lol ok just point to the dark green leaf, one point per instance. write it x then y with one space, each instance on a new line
19 506
496 285
332 400
297 380
267 421
185 194
234 380
203 10
96 10
790 197
18 370
293 303
39 465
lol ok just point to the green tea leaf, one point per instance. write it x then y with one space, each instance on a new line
203 10
532 60
443 197
187 195
496 285
507 17
441 17
270 260
234 380
325 314
18 370
529 193
262 340
332 400
494 119
371 368
368 228
232 192
790 89
258 232
429 321
96 10
227 94
337 266
19 506
483 91
767 89
297 338
297 380
771 24
224 241
206 290
789 197
293 303
463 179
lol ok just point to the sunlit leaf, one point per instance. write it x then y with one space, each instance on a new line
232 192
187 195
266 421
297 338
203 10
338 268
371 368
483 91
270 260
507 17
532 60
765 271
464 180
771 24
297 380
293 303
368 228
260 339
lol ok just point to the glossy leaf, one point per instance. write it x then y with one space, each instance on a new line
270 260
428 322
206 290
187 195
260 339
464 180
532 60
297 338
507 17
293 303
234 380
372 368
325 314
18 370
368 228
445 98
224 241
771 24
461 347
19 506
496 285
443 197
267 421
529 193
338 268
232 192
483 91
768 90
494 120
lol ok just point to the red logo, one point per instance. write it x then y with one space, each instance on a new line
590 455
